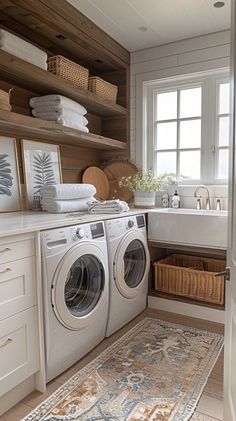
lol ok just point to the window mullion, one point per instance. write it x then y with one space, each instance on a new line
178 136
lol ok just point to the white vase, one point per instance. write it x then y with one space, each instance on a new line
144 199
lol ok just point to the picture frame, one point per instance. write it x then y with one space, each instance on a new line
10 188
41 166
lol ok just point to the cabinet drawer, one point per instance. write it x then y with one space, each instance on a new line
19 349
14 250
17 286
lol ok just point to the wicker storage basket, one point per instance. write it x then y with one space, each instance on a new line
191 276
68 70
103 88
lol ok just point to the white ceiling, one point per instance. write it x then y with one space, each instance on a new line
166 20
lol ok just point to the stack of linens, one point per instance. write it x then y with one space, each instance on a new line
109 206
22 49
5 100
61 198
60 109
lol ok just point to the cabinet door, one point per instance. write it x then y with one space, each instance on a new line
17 286
11 250
19 349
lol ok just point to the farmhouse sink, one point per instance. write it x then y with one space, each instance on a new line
201 228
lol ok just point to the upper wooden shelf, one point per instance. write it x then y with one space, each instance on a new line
18 125
29 76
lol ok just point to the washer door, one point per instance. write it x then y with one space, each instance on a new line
78 286
131 264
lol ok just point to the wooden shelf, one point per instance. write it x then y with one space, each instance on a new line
32 77
18 125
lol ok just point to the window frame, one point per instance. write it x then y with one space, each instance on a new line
209 81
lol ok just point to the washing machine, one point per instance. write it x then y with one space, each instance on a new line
75 293
129 263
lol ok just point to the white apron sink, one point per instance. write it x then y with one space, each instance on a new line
203 228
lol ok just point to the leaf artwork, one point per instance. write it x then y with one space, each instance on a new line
6 179
43 172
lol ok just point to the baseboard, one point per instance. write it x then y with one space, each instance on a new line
15 395
191 310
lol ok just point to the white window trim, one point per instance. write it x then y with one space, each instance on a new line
209 81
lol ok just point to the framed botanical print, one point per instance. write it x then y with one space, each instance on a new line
10 192
42 167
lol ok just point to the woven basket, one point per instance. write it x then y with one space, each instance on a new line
191 276
68 70
103 88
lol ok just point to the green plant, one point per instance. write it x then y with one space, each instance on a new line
145 181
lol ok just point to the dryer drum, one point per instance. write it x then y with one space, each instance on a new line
84 285
134 263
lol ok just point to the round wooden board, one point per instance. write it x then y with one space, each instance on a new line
114 172
96 176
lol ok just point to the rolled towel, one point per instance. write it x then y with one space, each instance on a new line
109 206
63 113
62 206
67 191
59 101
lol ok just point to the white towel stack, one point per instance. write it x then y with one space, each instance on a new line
61 198
60 109
109 206
22 49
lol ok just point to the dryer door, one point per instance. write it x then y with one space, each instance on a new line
78 286
131 264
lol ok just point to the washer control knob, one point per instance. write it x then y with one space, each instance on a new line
80 233
130 223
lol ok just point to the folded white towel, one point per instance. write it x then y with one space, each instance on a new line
73 124
68 191
59 101
63 113
22 49
109 206
61 206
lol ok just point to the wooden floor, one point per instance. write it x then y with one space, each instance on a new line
210 406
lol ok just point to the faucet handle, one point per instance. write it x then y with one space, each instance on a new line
199 206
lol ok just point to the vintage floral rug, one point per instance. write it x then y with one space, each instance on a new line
156 371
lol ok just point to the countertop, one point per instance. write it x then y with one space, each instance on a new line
29 221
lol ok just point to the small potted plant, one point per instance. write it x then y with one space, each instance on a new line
144 186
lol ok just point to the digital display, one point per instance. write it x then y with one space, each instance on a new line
97 230
140 221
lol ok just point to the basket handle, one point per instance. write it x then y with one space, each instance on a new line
225 273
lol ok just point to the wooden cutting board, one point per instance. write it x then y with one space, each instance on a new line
114 171
96 176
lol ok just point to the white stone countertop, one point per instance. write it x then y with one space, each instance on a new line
29 221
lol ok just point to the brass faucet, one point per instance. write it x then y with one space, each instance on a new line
208 203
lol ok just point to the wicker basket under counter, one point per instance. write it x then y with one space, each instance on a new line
68 70
192 277
102 88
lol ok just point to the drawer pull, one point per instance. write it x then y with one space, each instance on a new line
5 250
7 342
5 271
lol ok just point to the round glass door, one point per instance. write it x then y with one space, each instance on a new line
134 263
84 285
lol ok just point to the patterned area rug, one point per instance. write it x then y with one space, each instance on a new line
154 372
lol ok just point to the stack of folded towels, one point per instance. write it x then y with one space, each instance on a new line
61 198
60 109
109 206
22 49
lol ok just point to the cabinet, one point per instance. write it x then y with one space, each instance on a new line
19 322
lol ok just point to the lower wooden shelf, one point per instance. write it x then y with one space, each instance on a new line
23 126
173 297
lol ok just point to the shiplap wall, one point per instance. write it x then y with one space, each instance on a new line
189 56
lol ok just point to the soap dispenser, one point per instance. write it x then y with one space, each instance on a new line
175 202
165 200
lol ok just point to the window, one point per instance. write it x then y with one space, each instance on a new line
178 132
187 128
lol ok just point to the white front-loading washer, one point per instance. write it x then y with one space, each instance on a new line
129 262
75 293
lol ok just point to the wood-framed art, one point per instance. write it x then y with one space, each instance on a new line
10 188
41 166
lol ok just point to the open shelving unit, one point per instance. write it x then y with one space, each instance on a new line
25 126
29 76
